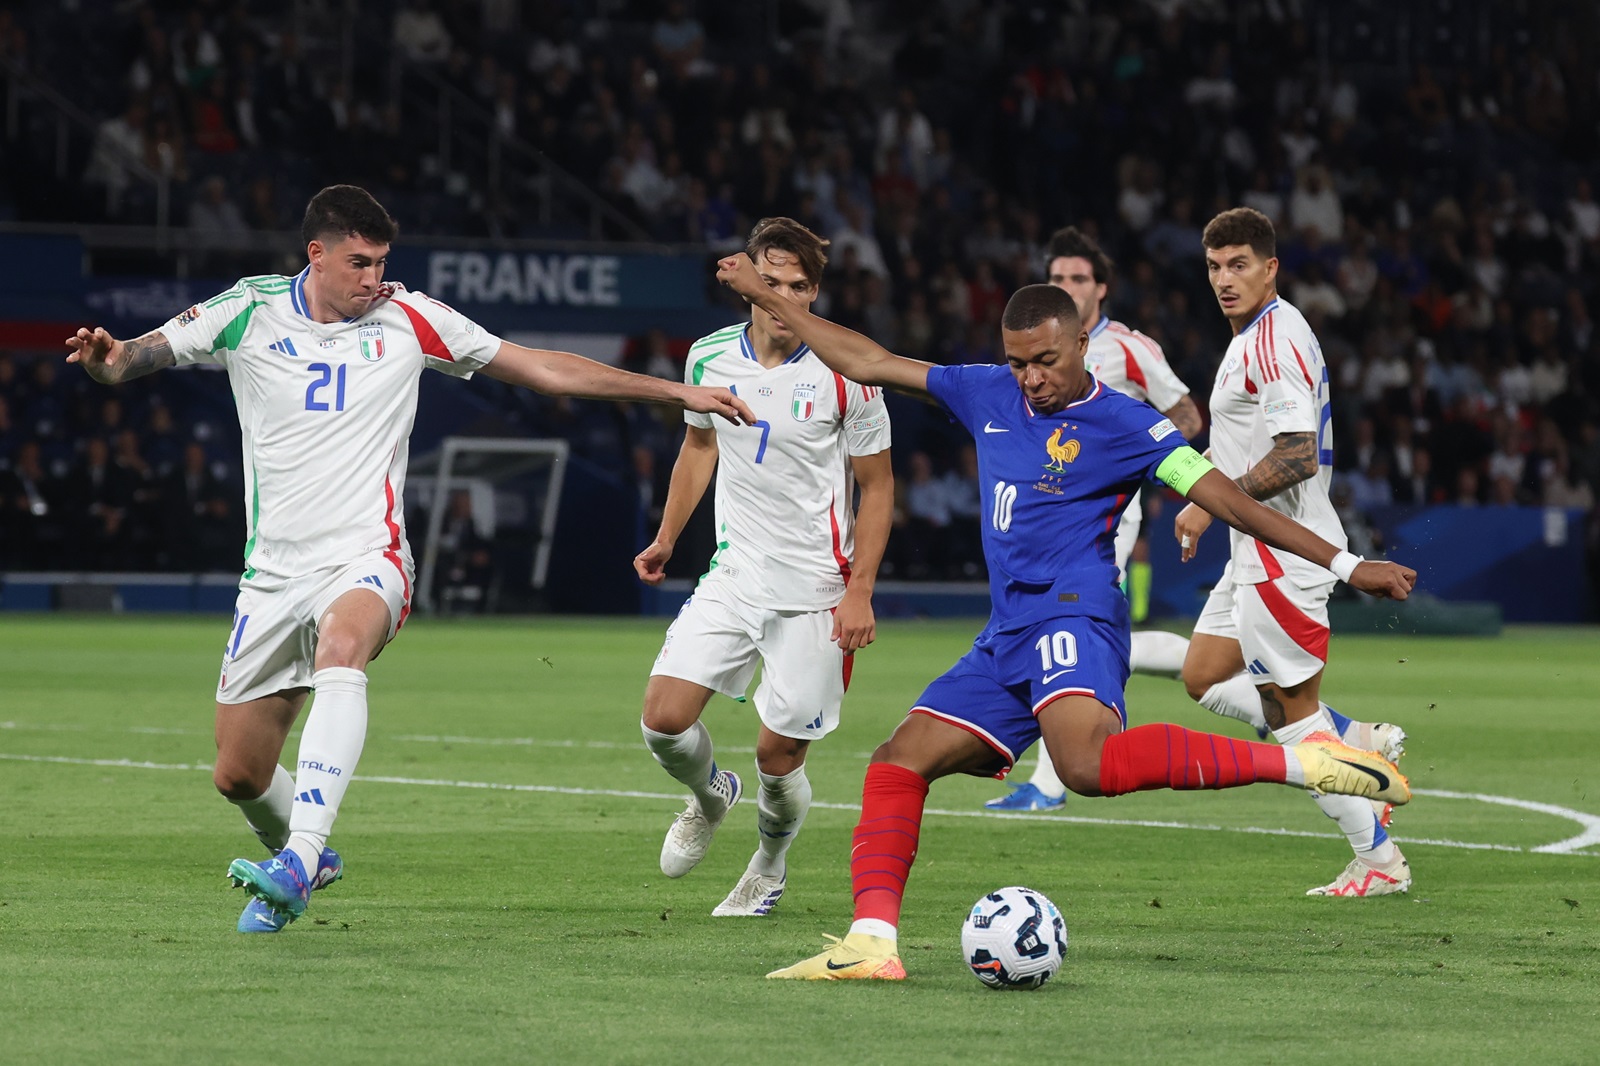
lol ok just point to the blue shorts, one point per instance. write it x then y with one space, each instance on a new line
997 689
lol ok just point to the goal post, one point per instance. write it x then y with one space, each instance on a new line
482 466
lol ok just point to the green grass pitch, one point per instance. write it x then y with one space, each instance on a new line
502 902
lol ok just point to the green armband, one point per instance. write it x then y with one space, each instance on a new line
1180 470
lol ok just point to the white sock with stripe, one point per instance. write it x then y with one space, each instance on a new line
689 757
781 808
1238 698
268 814
1045 778
330 747
1355 816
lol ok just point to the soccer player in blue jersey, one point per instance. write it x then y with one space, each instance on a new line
1059 453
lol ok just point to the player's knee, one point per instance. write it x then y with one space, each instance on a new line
1194 684
663 714
1079 771
780 760
346 650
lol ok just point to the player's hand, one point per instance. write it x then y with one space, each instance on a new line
651 564
709 401
1192 521
738 273
1390 581
854 625
95 350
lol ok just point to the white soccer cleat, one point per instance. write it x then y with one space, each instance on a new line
692 830
1362 879
753 897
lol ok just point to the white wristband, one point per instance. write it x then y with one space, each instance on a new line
1344 564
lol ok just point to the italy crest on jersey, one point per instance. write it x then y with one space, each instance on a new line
371 338
803 404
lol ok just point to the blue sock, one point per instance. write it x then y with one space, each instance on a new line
1340 722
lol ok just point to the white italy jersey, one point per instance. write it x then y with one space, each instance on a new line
1126 360
1273 380
326 411
785 488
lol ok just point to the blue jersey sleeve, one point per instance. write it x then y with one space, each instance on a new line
1148 438
966 389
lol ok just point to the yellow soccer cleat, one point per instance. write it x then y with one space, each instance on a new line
1362 879
1332 766
858 957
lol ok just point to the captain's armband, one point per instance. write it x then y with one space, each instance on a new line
1180 470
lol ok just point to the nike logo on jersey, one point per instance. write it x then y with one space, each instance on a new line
990 427
1051 677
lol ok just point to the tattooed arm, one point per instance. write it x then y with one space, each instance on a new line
1186 416
1293 459
111 362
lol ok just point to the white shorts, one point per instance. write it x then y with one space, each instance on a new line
1282 629
1128 533
272 645
718 638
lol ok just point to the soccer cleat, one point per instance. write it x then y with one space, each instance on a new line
1027 797
1362 878
755 895
692 830
1382 737
280 883
858 957
1331 766
260 918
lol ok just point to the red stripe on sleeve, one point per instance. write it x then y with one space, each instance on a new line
1303 368
427 336
1134 371
838 388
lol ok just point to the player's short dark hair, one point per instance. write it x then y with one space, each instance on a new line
1076 244
787 235
1034 305
1242 225
347 211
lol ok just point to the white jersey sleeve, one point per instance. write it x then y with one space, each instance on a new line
209 332
451 342
1148 364
1282 370
866 419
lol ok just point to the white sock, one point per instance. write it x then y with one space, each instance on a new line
1154 651
687 756
875 927
1354 815
1238 698
1045 778
330 747
268 813
781 808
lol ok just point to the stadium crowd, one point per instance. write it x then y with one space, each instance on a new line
1441 232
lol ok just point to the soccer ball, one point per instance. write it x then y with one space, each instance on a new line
1014 938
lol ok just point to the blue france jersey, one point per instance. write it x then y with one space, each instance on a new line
1055 486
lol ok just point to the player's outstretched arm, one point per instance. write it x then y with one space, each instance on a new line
691 473
111 362
1293 459
566 374
1218 495
844 351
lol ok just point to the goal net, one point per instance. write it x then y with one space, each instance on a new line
491 507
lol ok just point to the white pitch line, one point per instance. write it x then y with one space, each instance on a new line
1566 847
1590 823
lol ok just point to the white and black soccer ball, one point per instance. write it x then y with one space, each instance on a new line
1014 938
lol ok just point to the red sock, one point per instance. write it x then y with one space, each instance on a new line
1170 756
885 841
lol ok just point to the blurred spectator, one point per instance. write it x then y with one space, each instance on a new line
420 34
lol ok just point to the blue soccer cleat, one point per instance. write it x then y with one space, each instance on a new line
280 883
260 918
1027 797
